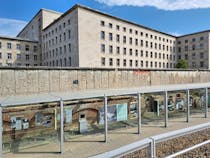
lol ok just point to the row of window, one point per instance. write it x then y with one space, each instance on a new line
193 47
136 63
60 27
186 56
18 47
137 53
137 42
124 29
18 57
57 51
60 39
192 40
61 62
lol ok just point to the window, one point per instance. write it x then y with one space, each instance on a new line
117 27
118 50
136 52
110 49
64 48
103 61
118 62
186 41
201 38
193 40
0 55
201 64
146 43
142 63
102 35
201 55
193 47
35 57
136 42
118 38
124 39
124 62
110 25
18 47
69 34
136 63
186 48
64 36
130 30
35 49
27 47
102 23
110 62
131 63
110 37
18 56
124 29
103 48
27 57
130 40
9 46
124 51
9 55
142 43
186 56
131 52
201 46
136 32
142 53
64 25
70 48
0 44
69 22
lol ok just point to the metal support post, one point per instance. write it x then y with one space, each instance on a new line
166 108
139 112
152 149
206 103
61 127
1 131
105 120
188 105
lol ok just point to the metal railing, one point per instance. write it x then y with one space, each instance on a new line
152 142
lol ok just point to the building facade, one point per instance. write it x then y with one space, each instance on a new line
84 37
194 48
18 52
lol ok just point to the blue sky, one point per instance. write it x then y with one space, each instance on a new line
171 16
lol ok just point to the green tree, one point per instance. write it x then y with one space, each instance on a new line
182 64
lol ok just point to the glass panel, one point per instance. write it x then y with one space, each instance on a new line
32 128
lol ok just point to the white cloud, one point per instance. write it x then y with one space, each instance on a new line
11 27
175 33
161 4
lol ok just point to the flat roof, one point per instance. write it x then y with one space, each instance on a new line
190 34
104 14
67 96
35 17
17 39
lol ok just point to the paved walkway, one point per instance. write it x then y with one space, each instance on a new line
93 144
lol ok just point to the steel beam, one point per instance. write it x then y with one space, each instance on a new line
61 127
166 108
188 105
206 102
105 120
1 131
139 112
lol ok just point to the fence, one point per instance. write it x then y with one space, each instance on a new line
152 144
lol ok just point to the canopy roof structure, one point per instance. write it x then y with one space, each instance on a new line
67 96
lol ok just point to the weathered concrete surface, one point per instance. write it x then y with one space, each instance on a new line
21 81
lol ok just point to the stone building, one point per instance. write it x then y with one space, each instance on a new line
84 37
